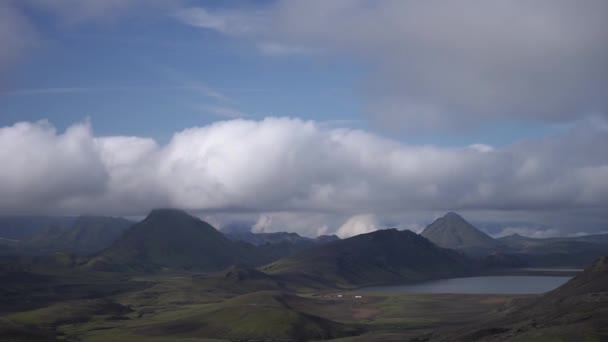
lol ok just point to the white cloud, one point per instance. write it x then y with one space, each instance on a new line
16 34
438 64
41 168
227 22
279 49
295 171
226 112
358 224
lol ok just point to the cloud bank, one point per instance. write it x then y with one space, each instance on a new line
291 165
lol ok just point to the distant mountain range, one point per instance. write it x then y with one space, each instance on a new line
453 231
86 235
24 227
258 239
173 239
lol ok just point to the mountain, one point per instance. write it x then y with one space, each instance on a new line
23 227
170 238
326 238
257 239
281 244
575 311
453 231
560 251
87 235
384 256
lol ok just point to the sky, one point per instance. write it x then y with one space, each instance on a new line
318 117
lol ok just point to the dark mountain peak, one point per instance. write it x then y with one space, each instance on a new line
453 231
381 235
326 238
173 239
382 256
450 215
391 234
163 213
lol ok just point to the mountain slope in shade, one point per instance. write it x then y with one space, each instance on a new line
24 227
257 239
575 311
280 244
559 251
87 235
453 231
385 256
170 238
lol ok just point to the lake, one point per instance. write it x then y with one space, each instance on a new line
478 285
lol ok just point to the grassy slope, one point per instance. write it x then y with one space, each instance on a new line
576 311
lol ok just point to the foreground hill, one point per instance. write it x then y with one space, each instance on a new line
453 231
384 256
172 239
87 235
258 316
575 311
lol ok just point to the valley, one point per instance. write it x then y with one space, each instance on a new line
173 277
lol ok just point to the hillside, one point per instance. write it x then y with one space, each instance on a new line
258 316
87 235
575 311
453 231
384 256
170 238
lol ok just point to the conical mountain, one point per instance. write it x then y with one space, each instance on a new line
384 256
173 239
453 231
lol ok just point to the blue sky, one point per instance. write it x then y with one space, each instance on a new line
313 116
154 76
151 75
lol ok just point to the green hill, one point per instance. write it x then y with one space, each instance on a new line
87 235
172 239
453 231
258 316
385 256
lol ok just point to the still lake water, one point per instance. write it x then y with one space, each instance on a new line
478 285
